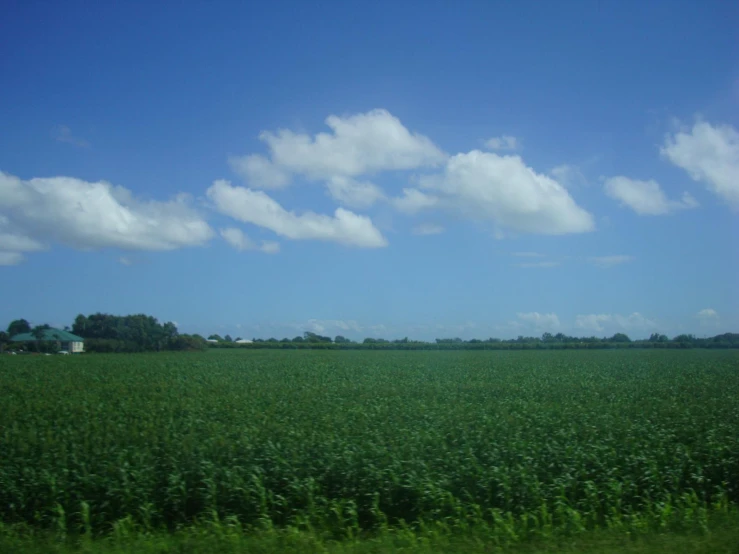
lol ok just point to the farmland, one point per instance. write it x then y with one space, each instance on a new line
509 446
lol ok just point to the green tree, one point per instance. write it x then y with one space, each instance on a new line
228 338
38 334
620 337
19 326
341 340
215 337
4 339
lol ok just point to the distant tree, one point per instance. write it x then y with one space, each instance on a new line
237 339
298 339
620 337
19 326
656 337
547 337
313 337
38 334
4 339
215 337
79 327
228 338
341 340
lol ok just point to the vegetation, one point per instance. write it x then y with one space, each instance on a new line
385 448
547 341
110 333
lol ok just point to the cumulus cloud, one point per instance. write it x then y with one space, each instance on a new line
93 215
505 142
503 190
609 261
11 258
413 201
708 317
601 322
428 229
354 194
359 144
540 321
710 155
645 197
568 175
260 171
259 209
330 326
18 243
238 240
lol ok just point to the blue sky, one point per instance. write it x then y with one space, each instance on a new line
422 169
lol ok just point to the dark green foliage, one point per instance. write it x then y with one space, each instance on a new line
130 333
546 342
18 326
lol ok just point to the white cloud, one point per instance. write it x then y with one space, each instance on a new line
609 261
10 258
502 189
505 142
600 322
124 260
62 133
237 239
645 197
428 229
710 155
19 243
413 201
538 264
270 247
354 194
540 321
568 175
708 317
88 215
359 144
259 171
331 326
592 322
257 208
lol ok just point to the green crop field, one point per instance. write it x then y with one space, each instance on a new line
512 448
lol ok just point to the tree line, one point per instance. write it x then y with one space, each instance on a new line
111 333
547 341
144 333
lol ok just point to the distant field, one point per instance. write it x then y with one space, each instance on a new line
520 445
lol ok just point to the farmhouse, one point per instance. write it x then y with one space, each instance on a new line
66 340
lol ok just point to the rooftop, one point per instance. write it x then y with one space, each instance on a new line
49 334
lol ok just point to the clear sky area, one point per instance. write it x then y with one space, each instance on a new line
373 169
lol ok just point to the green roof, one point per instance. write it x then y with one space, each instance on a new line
49 334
